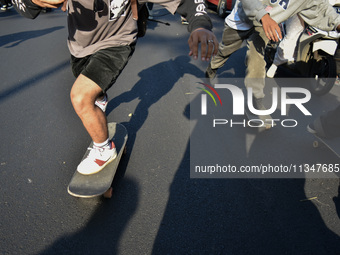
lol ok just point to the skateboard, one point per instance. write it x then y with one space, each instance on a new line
87 186
332 144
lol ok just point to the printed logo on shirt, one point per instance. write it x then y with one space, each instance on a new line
200 8
268 8
283 3
117 9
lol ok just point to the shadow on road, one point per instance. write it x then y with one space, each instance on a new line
103 231
17 38
254 216
155 82
26 84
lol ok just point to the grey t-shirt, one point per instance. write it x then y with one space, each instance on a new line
90 31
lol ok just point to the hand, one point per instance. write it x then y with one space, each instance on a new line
64 7
49 3
209 43
271 28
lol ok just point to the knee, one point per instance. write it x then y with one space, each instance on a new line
83 94
77 101
80 101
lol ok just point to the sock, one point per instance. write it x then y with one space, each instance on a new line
107 143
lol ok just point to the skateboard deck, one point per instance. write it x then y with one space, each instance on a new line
93 185
332 144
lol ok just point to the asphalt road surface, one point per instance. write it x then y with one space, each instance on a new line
156 207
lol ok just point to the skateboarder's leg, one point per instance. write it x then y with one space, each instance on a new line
95 74
255 62
83 96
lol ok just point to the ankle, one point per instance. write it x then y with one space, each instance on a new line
106 143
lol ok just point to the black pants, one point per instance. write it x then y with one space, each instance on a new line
104 66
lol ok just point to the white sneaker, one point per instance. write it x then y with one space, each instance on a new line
102 104
271 71
97 159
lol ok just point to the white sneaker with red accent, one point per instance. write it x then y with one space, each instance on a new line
102 103
97 159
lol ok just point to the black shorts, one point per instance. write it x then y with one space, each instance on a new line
104 66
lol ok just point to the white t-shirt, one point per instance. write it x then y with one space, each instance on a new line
233 20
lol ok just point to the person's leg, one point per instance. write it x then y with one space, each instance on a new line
285 50
256 72
83 96
337 62
95 75
150 6
231 41
255 63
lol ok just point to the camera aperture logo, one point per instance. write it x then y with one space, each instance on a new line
242 102
204 97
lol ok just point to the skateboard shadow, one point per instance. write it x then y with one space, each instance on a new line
102 233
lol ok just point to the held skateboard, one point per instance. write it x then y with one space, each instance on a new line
93 185
332 144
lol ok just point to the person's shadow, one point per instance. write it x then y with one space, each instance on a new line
242 216
155 82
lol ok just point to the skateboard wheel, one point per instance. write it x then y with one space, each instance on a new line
125 150
108 193
315 144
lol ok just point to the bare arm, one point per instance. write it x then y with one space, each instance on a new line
200 27
255 10
49 3
271 28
